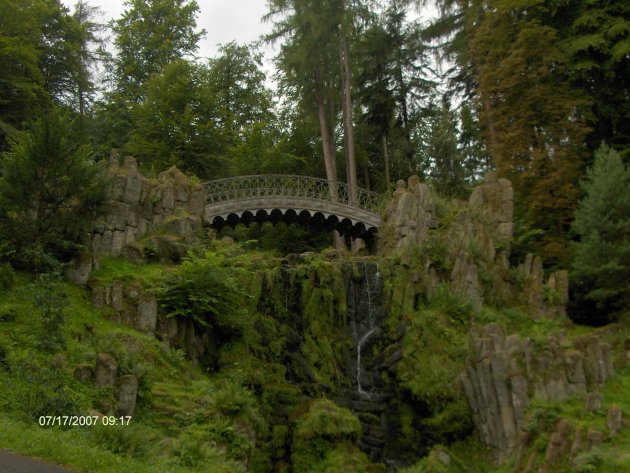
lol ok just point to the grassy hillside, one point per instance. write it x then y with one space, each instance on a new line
252 408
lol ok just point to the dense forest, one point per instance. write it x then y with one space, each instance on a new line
365 92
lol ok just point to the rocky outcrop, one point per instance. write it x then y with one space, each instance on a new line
186 334
494 202
504 373
409 215
105 371
127 394
132 304
470 246
171 204
549 297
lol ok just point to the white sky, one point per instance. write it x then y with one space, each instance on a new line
223 20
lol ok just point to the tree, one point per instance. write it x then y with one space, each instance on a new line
238 85
149 36
393 87
88 51
175 124
50 190
307 59
442 158
595 37
317 68
601 267
263 151
21 80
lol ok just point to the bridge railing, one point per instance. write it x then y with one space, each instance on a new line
285 185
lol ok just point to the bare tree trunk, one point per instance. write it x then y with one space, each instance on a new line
329 155
351 166
329 158
386 162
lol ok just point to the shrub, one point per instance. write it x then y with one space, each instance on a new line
319 432
206 290
7 276
52 301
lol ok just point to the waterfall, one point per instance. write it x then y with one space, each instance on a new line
370 329
359 346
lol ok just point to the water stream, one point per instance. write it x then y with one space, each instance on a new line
364 339
370 328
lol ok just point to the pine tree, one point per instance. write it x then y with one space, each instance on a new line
595 37
532 118
50 191
601 267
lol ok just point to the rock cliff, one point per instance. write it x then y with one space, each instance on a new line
504 373
145 219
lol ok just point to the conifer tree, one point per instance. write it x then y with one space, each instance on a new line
601 267
50 191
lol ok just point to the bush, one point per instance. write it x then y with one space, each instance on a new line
8 314
205 289
39 389
318 434
52 302
130 440
3 355
7 276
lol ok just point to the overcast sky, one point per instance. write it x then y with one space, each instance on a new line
223 20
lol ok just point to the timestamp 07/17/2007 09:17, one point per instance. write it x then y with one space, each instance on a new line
82 421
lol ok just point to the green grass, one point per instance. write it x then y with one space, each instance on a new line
74 449
113 269
173 423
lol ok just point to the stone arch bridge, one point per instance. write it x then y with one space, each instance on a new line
302 199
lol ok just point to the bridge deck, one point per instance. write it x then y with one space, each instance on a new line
238 195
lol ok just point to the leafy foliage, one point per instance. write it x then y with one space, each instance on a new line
51 300
174 125
323 435
205 289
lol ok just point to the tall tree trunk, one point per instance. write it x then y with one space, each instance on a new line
327 146
351 166
386 162
402 99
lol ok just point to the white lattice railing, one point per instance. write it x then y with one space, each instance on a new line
284 185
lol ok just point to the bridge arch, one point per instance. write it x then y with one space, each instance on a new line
274 197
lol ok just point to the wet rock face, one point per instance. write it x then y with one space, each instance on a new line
139 205
342 307
504 373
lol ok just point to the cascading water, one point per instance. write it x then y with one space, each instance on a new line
370 328
364 339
